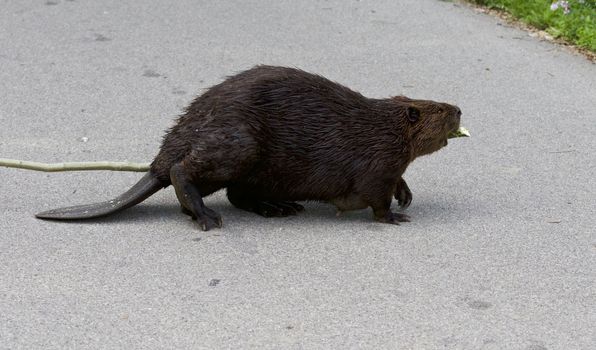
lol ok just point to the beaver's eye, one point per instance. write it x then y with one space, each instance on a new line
413 114
441 110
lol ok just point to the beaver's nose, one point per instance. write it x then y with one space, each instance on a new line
457 111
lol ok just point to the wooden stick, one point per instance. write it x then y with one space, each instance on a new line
74 166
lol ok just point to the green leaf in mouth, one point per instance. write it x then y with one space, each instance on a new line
461 132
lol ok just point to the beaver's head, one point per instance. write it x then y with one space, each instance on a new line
428 123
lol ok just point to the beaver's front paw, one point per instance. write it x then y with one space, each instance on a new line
403 194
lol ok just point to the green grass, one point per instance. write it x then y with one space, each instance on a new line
577 27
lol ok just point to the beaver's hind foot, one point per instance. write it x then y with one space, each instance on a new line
190 199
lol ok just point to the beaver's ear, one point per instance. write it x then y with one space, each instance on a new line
402 98
413 114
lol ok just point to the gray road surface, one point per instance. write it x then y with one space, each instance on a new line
501 252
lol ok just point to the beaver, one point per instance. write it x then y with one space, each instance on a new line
272 136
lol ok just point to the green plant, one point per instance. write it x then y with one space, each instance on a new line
573 20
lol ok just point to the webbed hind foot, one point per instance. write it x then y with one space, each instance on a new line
209 212
191 201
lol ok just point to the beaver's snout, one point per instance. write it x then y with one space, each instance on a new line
454 118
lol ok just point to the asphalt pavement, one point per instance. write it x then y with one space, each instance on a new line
500 253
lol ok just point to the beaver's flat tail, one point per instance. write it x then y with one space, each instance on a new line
142 190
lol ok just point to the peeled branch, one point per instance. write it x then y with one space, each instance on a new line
74 166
